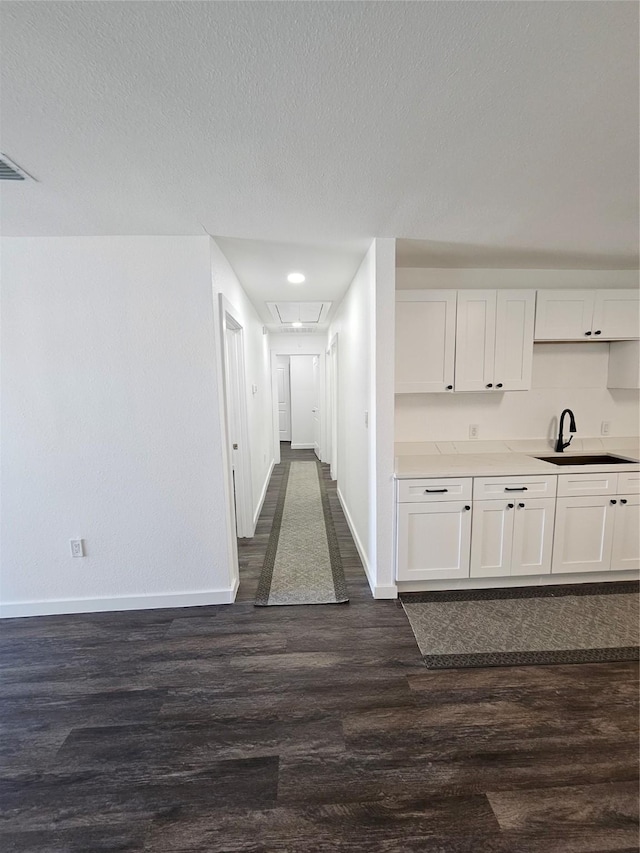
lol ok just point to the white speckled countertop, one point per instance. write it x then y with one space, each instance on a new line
495 458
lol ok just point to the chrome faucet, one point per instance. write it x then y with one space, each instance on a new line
560 443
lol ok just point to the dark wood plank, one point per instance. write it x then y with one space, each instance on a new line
577 819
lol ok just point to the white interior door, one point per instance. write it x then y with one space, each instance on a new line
284 399
237 427
316 405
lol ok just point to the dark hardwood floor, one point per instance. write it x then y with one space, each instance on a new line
302 729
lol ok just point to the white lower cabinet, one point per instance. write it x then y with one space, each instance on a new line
512 537
592 526
625 551
433 540
584 534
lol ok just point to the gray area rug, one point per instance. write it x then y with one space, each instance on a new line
573 623
302 564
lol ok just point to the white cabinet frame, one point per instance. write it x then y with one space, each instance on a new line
512 537
433 540
625 551
583 534
494 340
587 315
425 341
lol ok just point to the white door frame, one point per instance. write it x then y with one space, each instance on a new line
289 351
236 421
332 406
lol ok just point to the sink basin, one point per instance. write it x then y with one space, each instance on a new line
592 459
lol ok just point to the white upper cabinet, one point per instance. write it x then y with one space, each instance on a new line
581 315
494 340
616 314
425 340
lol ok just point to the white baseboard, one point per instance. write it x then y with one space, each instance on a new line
302 446
384 592
356 539
124 602
263 494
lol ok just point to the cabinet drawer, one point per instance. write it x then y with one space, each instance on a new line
587 484
425 491
492 488
629 484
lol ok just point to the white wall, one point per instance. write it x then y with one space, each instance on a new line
364 326
303 398
414 278
570 375
257 373
110 426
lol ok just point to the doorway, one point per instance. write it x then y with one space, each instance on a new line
237 432
284 397
304 393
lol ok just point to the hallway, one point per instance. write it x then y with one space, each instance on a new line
251 552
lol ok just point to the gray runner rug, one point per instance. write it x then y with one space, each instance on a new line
302 564
572 623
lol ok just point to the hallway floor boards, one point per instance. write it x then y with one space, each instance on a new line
301 729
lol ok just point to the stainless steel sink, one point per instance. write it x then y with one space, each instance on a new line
592 459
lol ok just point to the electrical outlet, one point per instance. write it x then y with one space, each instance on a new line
474 430
77 547
605 428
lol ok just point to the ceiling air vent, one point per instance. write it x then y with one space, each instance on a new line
9 171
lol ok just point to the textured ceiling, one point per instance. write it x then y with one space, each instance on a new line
485 133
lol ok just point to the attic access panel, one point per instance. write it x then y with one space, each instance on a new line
309 313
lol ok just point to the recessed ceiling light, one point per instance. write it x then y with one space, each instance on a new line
295 278
297 324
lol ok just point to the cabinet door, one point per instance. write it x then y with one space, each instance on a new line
515 314
475 340
491 539
583 534
564 315
625 553
425 340
532 537
616 314
433 540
